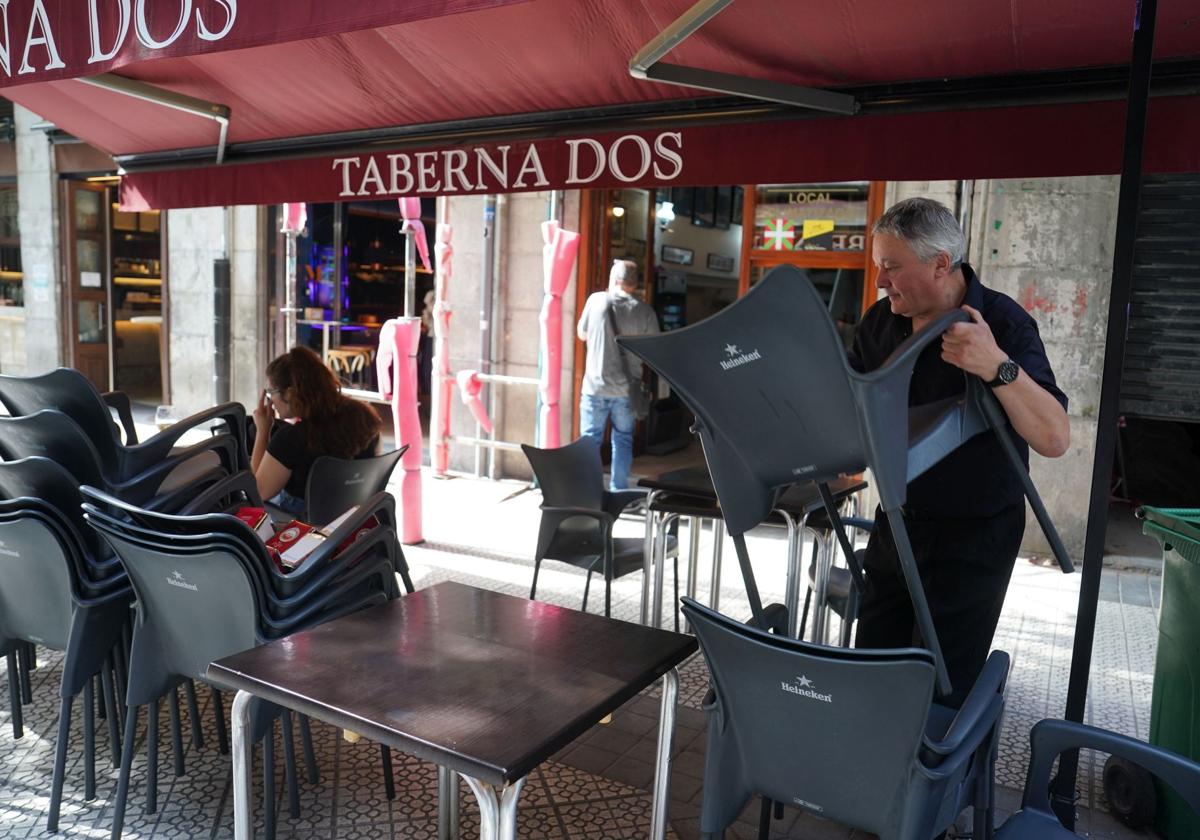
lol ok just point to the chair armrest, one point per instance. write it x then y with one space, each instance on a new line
977 713
119 401
136 459
142 486
905 356
1051 738
859 523
615 501
562 513
242 481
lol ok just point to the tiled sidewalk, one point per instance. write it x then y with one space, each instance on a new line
482 533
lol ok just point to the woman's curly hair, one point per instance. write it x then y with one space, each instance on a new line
333 424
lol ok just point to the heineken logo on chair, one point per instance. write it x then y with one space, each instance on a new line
803 686
737 357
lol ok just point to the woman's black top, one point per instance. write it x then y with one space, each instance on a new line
288 446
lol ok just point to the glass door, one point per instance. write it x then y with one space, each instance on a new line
88 290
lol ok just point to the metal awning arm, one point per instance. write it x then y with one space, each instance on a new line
167 99
647 65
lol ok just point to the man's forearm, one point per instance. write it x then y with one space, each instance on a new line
1036 415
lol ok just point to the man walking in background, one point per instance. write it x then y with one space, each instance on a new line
609 372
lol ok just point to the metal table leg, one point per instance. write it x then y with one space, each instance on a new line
648 555
693 567
820 599
448 806
714 597
243 795
662 763
660 564
497 814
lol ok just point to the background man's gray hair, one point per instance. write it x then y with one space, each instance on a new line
626 271
927 226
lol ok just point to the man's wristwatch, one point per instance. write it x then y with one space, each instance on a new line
1006 374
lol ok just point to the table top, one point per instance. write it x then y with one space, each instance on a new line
798 500
486 684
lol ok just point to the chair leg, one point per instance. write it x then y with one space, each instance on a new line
310 757
60 762
176 734
675 607
110 709
389 778
194 715
25 659
289 766
804 612
14 697
152 758
587 584
607 596
219 718
764 820
404 575
537 567
89 741
269 783
122 797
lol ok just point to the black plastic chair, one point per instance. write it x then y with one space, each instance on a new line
578 516
849 735
52 434
841 595
70 392
119 402
337 484
208 583
776 402
46 599
1051 738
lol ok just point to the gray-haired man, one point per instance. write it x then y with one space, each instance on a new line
966 515
609 370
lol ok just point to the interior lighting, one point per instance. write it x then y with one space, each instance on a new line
665 213
618 210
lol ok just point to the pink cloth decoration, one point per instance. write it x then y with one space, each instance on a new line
294 218
558 260
410 209
443 382
469 384
396 364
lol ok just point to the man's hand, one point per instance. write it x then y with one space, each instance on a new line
972 347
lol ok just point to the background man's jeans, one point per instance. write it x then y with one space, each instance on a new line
594 412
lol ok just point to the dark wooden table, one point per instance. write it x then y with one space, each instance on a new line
486 685
689 492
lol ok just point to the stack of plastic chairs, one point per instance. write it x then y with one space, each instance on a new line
206 587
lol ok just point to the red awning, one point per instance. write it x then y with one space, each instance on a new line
425 63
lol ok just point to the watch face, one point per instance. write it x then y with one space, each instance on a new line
1007 372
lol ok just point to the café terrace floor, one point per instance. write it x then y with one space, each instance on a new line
482 533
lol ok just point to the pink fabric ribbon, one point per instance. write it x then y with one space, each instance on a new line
410 209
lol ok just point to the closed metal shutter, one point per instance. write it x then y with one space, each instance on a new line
1162 357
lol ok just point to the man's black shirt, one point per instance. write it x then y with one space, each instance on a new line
977 479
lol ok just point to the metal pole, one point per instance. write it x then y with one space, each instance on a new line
485 311
1110 393
222 332
410 273
289 303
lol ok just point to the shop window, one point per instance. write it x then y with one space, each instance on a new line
811 217
11 276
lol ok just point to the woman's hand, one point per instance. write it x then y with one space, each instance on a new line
264 415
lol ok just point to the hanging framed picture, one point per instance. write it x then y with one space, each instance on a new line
679 256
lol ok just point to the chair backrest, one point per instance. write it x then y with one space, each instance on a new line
49 482
766 378
70 392
37 580
337 484
569 476
194 605
51 434
854 718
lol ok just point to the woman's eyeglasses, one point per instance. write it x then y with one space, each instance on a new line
273 391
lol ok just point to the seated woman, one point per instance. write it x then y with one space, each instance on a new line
302 389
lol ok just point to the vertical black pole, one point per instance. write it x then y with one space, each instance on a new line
1110 392
222 331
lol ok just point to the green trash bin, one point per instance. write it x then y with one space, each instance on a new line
1175 709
